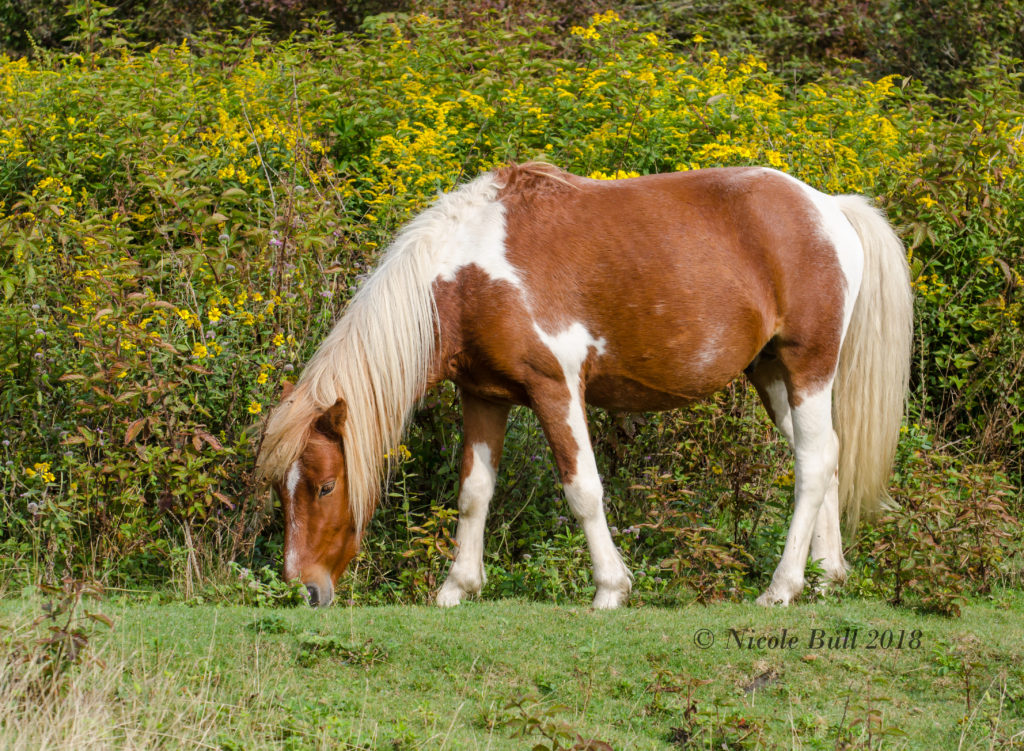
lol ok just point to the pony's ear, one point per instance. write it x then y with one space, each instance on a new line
287 387
332 421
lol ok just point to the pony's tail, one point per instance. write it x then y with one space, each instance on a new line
874 365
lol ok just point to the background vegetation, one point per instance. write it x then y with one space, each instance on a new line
185 210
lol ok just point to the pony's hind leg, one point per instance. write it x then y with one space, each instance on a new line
817 452
484 435
826 542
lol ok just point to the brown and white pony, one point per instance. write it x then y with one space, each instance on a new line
533 286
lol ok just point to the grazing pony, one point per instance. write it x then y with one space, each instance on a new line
533 286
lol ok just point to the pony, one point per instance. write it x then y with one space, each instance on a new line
533 286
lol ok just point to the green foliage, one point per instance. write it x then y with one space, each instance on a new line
964 208
263 588
941 43
953 531
313 647
528 716
26 24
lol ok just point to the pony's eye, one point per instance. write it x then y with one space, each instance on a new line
326 488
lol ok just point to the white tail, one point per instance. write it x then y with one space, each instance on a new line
874 365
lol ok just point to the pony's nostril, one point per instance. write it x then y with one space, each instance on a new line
314 594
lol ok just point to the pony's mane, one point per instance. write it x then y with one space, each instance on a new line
532 177
377 357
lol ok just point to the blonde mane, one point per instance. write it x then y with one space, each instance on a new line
377 357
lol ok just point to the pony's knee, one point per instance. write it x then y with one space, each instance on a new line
478 485
584 493
475 495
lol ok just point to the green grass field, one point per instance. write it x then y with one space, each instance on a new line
511 674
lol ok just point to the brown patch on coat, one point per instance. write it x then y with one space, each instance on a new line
483 421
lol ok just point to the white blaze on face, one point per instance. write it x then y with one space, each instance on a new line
570 348
291 484
291 480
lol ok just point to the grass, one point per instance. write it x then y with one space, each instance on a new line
510 675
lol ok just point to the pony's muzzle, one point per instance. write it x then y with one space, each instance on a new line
317 597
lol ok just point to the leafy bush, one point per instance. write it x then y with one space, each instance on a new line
940 43
954 531
26 24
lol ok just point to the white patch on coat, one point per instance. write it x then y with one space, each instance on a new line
585 496
817 453
479 484
571 348
709 351
477 235
583 490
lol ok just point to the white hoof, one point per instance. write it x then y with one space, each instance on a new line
835 575
769 598
449 595
609 599
780 593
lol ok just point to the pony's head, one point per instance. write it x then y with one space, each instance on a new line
321 534
322 530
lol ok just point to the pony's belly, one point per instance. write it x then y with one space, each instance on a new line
622 394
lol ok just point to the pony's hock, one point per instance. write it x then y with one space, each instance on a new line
536 287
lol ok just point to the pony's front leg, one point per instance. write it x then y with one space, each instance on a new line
484 434
817 453
566 429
